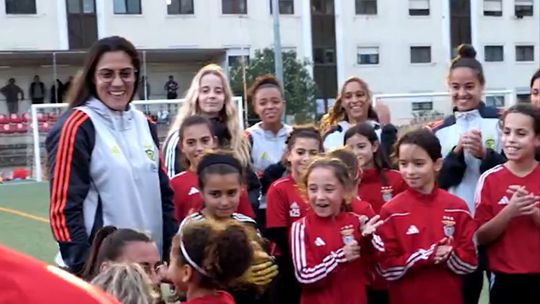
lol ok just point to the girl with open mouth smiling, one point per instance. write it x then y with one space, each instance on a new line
329 244
508 213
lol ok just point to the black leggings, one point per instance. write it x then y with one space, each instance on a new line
473 282
515 288
285 289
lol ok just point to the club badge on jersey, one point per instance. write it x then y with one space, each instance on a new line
387 193
448 226
294 211
347 234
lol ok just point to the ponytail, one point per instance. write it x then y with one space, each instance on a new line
108 245
90 269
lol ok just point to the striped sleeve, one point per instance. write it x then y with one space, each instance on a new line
170 151
69 148
309 267
394 259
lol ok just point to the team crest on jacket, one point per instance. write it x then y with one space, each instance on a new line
448 225
149 150
347 234
387 193
294 211
490 143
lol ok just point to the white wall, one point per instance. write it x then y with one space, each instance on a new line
32 32
394 32
207 28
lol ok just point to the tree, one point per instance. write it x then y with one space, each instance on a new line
299 88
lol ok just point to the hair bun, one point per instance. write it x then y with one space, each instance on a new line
466 51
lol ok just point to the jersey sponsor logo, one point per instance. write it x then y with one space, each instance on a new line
319 242
503 201
412 230
448 225
294 211
387 193
193 190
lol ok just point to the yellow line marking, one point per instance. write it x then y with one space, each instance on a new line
26 215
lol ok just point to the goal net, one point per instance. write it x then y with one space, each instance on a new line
22 136
414 109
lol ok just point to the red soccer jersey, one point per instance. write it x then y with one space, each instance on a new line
372 190
26 280
414 225
220 297
284 203
319 260
187 198
362 207
517 249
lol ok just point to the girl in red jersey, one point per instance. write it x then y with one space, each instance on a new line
221 180
206 258
285 204
329 243
196 137
379 182
425 244
357 205
508 213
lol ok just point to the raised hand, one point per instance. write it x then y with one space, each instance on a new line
371 226
472 143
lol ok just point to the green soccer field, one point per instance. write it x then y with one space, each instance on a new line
24 208
24 220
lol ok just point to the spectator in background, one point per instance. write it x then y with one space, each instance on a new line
11 92
171 87
67 85
37 91
144 94
57 92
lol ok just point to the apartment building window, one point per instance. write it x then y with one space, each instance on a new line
420 54
324 55
236 60
286 7
523 8
496 101
238 7
419 7
366 7
367 55
21 7
493 8
322 7
524 53
493 53
422 106
180 7
127 7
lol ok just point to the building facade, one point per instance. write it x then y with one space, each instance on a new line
396 46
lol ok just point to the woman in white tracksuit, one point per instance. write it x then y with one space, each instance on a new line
470 143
